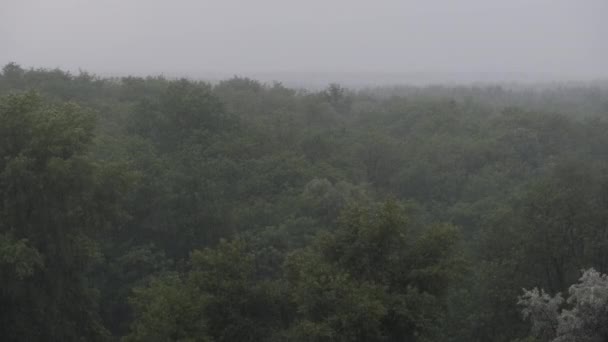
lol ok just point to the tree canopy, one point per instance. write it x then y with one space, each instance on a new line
153 209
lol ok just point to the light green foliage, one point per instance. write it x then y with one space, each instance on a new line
582 317
543 311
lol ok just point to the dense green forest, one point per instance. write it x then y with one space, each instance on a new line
152 209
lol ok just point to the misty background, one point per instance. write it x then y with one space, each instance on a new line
313 42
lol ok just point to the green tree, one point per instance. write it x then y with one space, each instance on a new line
231 293
582 317
373 278
54 202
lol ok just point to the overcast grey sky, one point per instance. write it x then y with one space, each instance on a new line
562 37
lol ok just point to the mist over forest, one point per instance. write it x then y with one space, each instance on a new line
304 171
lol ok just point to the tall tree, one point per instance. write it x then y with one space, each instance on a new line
53 202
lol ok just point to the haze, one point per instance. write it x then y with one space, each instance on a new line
557 39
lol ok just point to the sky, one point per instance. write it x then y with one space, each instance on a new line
564 38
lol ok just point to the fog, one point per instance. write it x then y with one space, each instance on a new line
382 41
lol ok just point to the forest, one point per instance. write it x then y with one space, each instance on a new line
160 209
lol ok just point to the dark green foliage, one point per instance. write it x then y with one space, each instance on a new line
373 279
54 202
228 295
153 209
